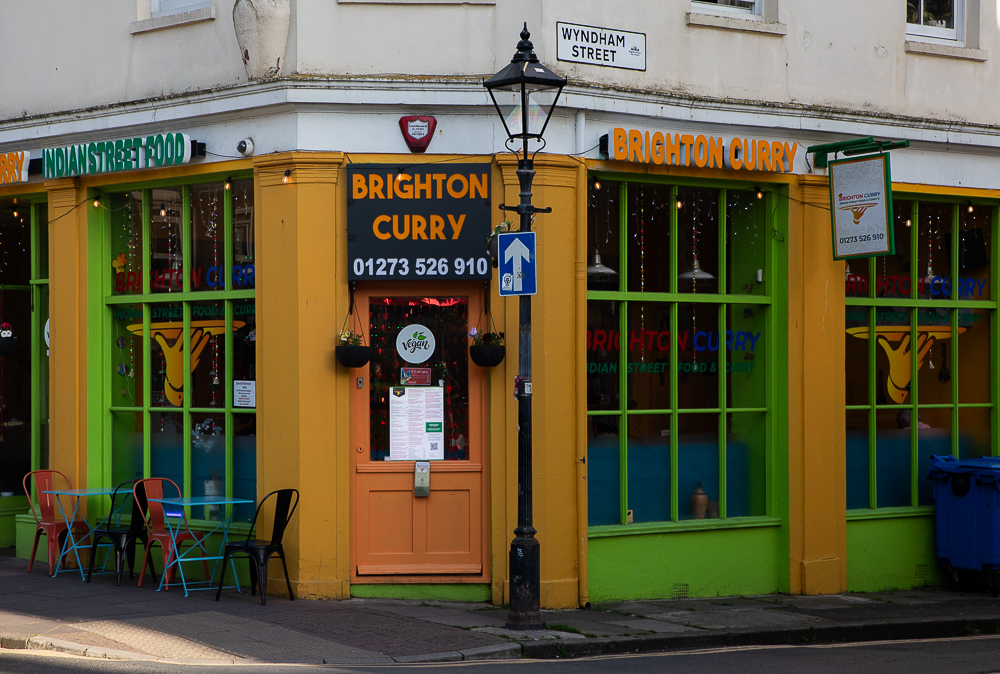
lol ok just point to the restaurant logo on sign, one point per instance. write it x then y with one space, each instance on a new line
123 154
664 148
426 222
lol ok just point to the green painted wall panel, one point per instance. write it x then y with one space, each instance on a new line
892 553
456 592
710 563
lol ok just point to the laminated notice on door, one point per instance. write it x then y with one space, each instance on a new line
422 478
416 423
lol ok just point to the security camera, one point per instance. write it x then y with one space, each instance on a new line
245 147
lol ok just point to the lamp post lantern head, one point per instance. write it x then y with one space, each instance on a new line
525 85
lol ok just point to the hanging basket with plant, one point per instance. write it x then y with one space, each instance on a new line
352 351
487 348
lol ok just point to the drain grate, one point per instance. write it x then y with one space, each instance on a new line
923 571
679 591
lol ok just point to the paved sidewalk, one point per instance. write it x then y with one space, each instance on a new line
102 620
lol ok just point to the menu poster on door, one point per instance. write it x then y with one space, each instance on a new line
416 423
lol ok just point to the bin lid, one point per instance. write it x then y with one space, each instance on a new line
987 465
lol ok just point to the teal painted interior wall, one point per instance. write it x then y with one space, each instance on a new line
710 563
891 553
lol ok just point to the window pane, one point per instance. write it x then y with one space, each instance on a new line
746 242
857 459
649 238
447 318
602 237
933 243
649 467
892 355
126 447
207 346
698 342
698 466
856 355
126 243
15 263
166 344
15 389
974 252
244 347
603 468
208 462
244 465
698 240
165 245
892 459
167 446
739 4
648 356
746 353
126 355
893 273
974 433
244 253
913 11
746 461
933 340
207 265
933 437
603 344
975 357
938 13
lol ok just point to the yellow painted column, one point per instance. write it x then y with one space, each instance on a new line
556 369
303 395
816 452
68 210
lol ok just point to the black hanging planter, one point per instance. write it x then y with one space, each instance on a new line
353 356
487 355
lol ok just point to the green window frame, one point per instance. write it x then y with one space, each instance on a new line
935 322
773 214
188 297
39 285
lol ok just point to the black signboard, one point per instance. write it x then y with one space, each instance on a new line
425 222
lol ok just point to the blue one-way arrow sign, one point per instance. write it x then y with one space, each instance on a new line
518 272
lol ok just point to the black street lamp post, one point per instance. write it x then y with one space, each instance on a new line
524 93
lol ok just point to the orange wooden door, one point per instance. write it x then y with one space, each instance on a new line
396 534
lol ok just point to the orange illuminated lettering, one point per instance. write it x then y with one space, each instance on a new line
700 149
673 154
360 188
778 154
790 155
420 223
657 148
456 227
404 191
401 233
763 155
375 186
634 145
477 186
620 145
686 140
419 187
439 179
378 232
452 192
715 151
735 147
437 227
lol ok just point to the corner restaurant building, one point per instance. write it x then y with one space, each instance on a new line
717 401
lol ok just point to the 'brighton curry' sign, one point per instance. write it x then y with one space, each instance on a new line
861 207
428 222
687 149
122 154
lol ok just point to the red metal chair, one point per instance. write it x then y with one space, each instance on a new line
156 527
49 521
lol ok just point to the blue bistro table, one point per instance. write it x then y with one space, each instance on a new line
172 511
72 544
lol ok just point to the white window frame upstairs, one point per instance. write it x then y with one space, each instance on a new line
707 7
158 8
949 36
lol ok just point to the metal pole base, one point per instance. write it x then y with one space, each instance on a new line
525 582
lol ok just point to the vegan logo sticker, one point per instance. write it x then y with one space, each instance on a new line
415 343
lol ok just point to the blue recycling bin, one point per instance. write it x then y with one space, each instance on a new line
967 517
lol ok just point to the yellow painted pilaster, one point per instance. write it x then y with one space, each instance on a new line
303 396
816 452
555 371
68 210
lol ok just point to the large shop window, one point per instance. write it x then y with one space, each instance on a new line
24 351
927 309
679 351
181 336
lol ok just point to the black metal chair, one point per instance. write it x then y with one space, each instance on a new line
260 551
122 539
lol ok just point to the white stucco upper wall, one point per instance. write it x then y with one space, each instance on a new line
847 54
